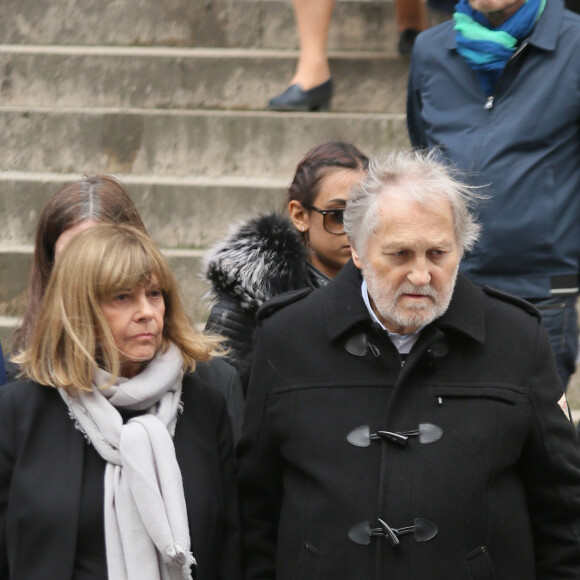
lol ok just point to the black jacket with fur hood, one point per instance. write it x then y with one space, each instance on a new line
259 259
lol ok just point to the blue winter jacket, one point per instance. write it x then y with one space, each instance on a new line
522 144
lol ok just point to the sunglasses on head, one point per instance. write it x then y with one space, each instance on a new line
332 219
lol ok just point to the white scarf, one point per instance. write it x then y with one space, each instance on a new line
146 528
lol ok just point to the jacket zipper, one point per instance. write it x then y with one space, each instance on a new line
490 100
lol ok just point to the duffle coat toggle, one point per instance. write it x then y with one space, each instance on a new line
359 345
426 432
438 349
422 529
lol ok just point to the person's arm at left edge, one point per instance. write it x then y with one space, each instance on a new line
551 471
7 458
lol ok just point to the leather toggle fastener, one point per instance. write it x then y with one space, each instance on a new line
437 350
359 345
423 531
427 433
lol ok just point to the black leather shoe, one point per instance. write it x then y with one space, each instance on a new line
295 99
407 40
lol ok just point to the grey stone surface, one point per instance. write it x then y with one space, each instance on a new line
182 143
188 78
357 25
171 22
192 214
15 272
6 329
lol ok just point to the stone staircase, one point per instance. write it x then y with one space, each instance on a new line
169 96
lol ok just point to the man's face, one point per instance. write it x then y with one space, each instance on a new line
410 264
497 11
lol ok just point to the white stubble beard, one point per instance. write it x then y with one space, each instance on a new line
386 301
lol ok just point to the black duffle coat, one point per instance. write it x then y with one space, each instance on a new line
460 464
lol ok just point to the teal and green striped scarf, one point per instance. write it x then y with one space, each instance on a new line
487 49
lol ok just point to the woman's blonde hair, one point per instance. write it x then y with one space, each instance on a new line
71 337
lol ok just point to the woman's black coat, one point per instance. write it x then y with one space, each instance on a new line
41 472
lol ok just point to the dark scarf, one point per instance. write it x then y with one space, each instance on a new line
487 49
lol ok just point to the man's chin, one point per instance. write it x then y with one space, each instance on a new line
419 316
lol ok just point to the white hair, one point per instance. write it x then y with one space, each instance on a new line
414 176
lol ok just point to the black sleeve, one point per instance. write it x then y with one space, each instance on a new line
7 451
550 465
414 105
12 369
230 566
2 371
260 469
228 319
224 378
204 444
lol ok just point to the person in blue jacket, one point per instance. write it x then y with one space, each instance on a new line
497 91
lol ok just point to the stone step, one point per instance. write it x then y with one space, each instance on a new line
186 78
180 213
182 143
7 325
16 261
356 24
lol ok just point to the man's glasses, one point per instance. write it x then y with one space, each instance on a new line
332 219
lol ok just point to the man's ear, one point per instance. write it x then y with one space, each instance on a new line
355 258
299 216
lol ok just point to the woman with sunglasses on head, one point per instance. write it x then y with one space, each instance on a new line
272 254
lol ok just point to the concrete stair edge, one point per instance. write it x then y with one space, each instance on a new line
260 24
179 213
186 265
193 79
212 143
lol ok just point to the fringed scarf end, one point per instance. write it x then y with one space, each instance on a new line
179 556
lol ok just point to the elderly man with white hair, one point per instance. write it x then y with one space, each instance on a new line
401 422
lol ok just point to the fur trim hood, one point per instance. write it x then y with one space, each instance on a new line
258 260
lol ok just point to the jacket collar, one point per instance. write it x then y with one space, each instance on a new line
545 34
346 309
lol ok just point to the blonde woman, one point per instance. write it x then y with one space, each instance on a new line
116 451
